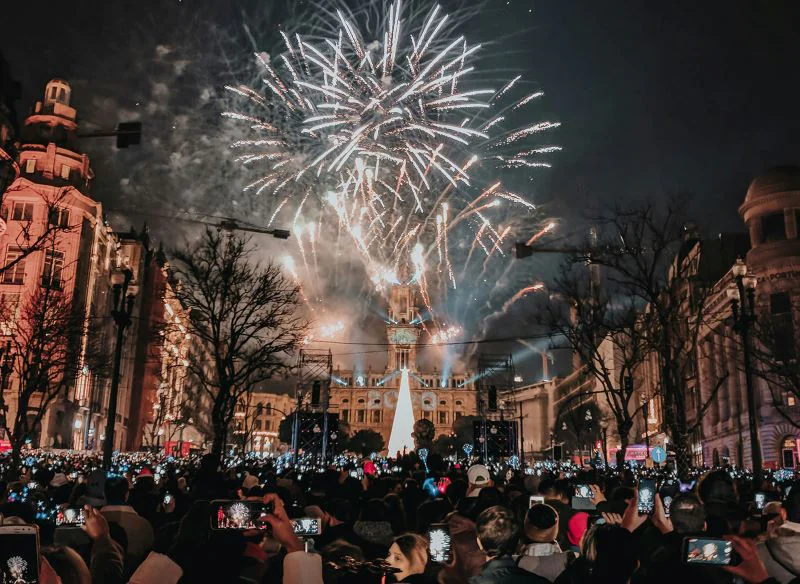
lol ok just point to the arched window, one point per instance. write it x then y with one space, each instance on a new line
268 408
361 401
259 408
443 402
345 401
459 403
426 402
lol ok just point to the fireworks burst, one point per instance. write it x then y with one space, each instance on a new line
388 148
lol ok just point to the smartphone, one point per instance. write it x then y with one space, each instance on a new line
583 498
306 526
19 553
535 500
647 496
238 515
439 543
70 517
712 551
167 499
583 492
595 520
761 500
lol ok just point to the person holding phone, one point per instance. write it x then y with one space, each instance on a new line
409 554
781 554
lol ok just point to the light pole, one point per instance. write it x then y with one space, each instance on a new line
743 307
604 431
124 293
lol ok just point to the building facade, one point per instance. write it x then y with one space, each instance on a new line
771 213
368 399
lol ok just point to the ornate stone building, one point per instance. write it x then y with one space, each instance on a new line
367 399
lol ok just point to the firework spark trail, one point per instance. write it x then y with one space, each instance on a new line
391 137
544 230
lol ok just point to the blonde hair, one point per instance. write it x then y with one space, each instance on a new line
415 548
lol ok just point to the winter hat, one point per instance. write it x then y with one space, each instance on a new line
541 523
59 480
577 527
249 482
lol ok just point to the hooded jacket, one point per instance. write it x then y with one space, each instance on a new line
781 554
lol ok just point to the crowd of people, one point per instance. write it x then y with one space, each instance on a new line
162 520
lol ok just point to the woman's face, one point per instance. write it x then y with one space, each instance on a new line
398 561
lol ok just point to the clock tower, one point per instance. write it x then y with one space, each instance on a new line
403 330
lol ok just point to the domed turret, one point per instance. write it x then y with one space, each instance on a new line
770 213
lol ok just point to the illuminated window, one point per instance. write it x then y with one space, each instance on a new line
30 165
65 171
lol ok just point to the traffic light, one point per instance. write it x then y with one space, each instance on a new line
129 134
522 251
492 398
315 393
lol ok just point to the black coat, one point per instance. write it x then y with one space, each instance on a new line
505 571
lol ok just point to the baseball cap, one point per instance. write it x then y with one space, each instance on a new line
478 475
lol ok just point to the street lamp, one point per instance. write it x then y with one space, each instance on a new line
604 431
742 298
124 294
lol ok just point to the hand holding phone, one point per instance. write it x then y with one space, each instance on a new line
535 500
74 517
306 526
439 549
647 496
709 551
19 553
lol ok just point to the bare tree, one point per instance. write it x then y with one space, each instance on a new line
31 236
651 257
40 359
246 317
599 323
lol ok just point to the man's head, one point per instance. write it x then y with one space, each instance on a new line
116 491
478 477
541 524
687 514
497 530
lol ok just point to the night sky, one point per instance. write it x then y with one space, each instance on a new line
654 98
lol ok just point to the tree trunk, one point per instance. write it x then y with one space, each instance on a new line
624 429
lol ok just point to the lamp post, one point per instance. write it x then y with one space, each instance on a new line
742 298
124 293
604 432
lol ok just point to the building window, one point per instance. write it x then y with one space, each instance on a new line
773 227
22 212
426 414
442 417
65 171
361 401
375 417
30 165
16 273
257 425
53 268
402 358
345 401
345 415
361 416
58 217
459 402
443 402
267 425
456 415
780 307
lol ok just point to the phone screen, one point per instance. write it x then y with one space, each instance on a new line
583 492
66 517
19 554
718 552
439 543
238 515
535 500
306 526
760 499
647 496
167 499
